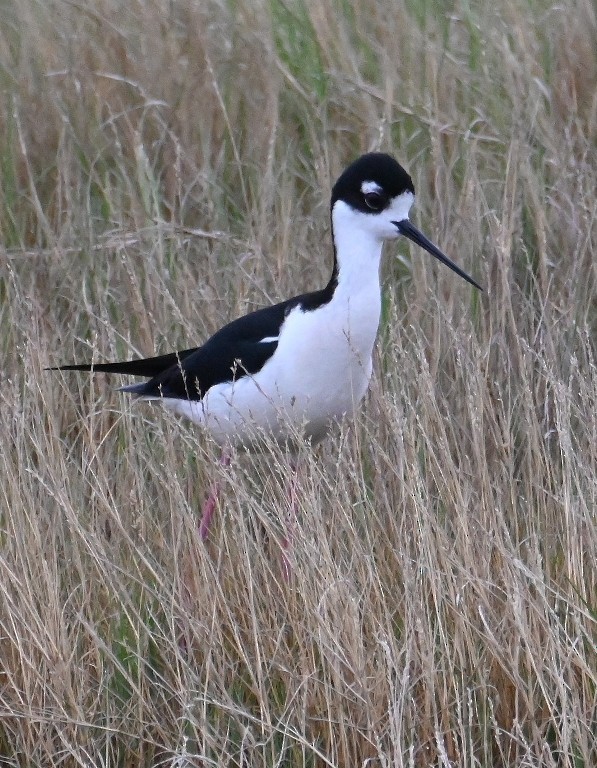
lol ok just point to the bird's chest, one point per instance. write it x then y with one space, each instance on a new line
324 355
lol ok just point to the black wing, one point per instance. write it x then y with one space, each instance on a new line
238 349
190 378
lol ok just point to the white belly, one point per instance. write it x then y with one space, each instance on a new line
319 372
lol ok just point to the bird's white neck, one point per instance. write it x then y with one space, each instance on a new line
357 253
355 306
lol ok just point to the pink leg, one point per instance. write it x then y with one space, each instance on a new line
210 504
290 523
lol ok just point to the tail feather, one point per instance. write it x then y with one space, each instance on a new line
151 366
135 389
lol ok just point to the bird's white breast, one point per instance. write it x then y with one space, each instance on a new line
321 367
319 372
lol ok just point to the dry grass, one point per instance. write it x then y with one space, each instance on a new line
443 606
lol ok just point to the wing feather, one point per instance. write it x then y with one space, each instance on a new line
238 349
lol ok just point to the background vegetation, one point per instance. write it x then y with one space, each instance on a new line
166 166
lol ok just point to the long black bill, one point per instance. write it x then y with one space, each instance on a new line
409 230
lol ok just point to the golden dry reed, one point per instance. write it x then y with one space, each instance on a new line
165 167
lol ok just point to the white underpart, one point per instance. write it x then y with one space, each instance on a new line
322 365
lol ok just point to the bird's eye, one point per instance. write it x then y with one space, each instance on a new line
374 201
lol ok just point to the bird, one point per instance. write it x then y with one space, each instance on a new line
299 366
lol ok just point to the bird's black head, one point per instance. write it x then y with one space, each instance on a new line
372 182
371 201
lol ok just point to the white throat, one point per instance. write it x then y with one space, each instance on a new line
355 307
358 252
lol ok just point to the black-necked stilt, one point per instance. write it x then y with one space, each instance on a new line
306 362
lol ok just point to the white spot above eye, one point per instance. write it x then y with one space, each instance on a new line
370 186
